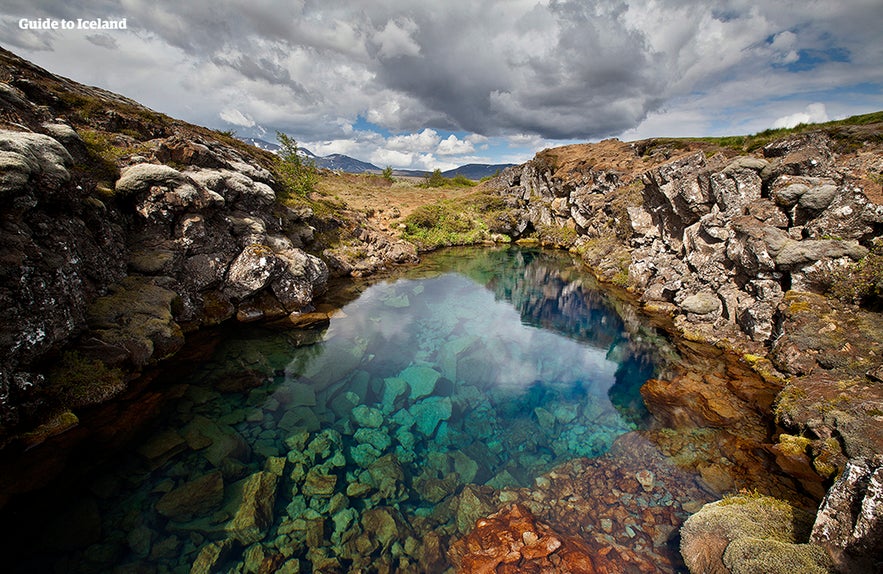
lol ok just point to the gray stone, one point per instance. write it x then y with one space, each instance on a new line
701 303
818 198
141 177
30 155
849 523
796 254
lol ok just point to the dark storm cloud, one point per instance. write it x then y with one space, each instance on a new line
556 68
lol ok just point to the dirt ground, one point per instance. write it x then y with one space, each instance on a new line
386 203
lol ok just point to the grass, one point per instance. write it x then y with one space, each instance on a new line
444 223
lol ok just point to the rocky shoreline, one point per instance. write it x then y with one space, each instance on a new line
124 232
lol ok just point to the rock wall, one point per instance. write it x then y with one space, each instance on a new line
117 255
737 251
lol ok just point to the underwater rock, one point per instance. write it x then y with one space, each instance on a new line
377 438
393 389
429 412
210 556
301 395
513 540
368 417
472 503
196 497
421 380
318 484
253 499
646 479
217 442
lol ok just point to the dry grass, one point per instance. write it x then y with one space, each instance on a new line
385 202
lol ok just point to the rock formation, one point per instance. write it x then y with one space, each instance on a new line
738 250
123 230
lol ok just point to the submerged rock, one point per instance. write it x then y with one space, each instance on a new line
196 497
252 504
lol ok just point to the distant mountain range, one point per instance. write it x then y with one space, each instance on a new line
345 163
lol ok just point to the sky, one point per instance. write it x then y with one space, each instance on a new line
426 84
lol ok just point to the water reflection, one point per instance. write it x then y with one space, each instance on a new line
357 446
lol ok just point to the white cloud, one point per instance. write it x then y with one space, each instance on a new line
814 113
235 117
427 140
549 70
396 38
454 146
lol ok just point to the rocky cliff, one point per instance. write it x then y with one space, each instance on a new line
745 250
121 230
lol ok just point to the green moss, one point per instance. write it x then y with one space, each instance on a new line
787 399
556 235
794 445
77 381
861 282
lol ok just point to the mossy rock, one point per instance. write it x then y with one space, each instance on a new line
136 318
78 381
759 556
751 521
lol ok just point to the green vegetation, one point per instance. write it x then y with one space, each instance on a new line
436 179
442 224
77 381
861 282
103 155
387 173
842 131
297 175
556 235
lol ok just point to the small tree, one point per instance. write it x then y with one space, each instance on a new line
298 174
387 173
436 179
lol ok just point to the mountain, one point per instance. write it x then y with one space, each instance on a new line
340 162
477 170
262 144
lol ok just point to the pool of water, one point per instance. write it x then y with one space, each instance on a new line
344 446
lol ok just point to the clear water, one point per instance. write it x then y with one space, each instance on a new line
483 367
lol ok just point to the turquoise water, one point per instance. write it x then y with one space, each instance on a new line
348 446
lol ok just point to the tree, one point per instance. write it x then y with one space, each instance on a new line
387 173
298 174
436 179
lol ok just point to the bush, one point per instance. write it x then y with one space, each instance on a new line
297 174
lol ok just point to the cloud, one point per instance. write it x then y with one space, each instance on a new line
426 140
454 146
396 39
236 118
567 69
103 40
814 113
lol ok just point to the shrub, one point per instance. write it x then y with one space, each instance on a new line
297 174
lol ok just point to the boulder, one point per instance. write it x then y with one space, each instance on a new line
251 504
751 533
196 497
849 523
